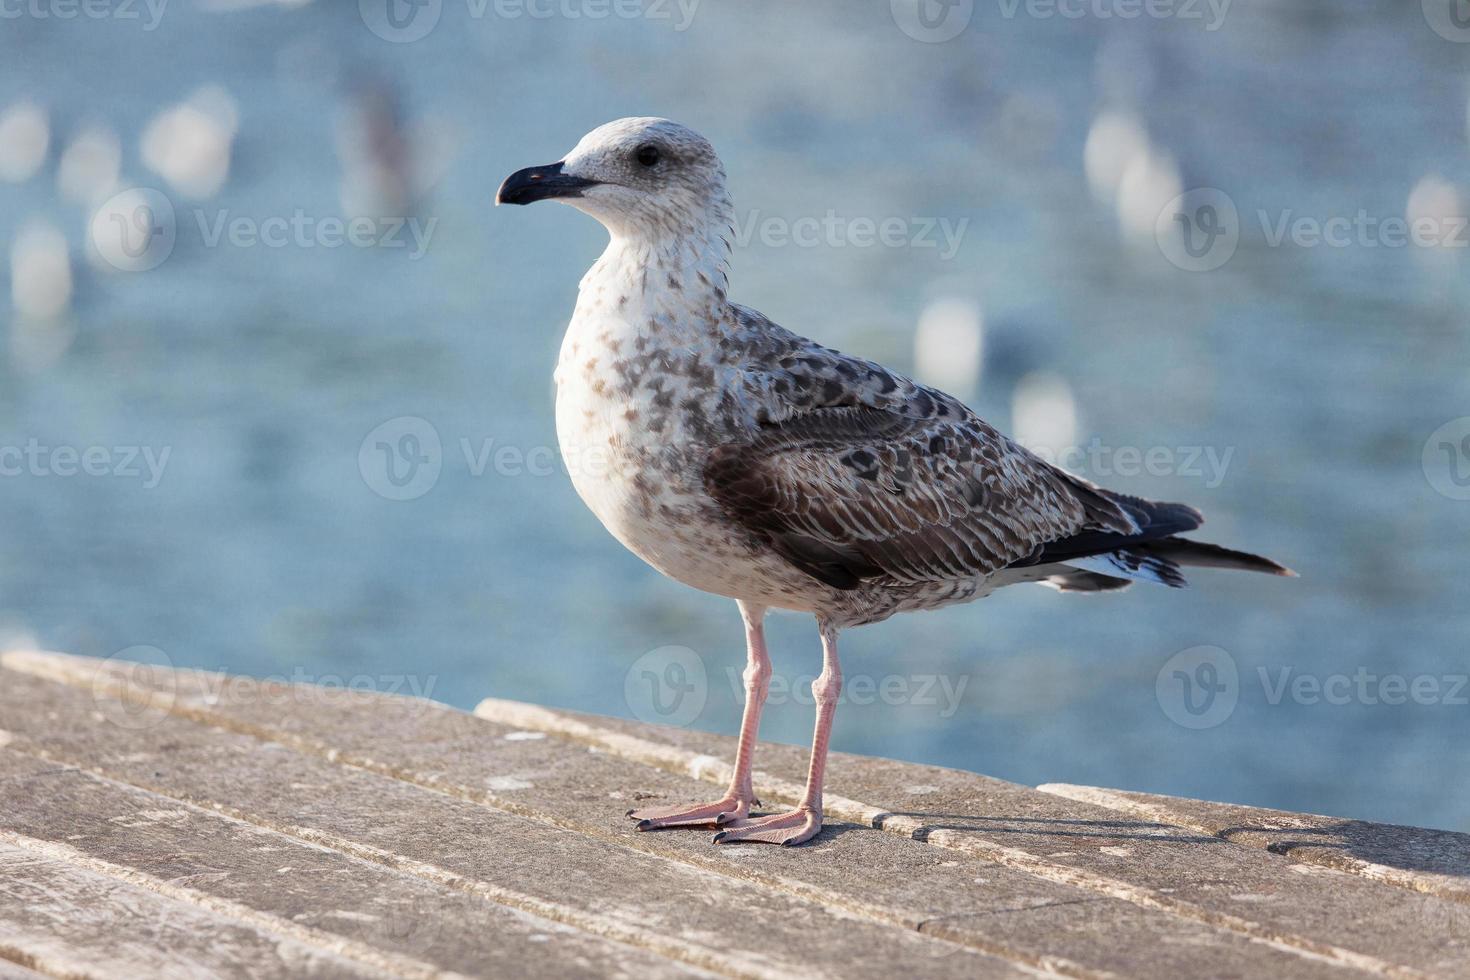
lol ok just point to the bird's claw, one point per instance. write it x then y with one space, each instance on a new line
786 829
717 814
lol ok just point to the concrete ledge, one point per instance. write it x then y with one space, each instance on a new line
1430 861
280 831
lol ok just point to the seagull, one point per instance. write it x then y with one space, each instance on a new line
744 460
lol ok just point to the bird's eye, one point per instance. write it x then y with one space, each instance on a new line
646 155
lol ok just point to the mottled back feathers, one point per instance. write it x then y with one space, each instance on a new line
854 473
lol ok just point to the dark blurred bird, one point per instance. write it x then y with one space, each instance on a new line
741 459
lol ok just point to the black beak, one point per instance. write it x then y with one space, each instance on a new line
539 183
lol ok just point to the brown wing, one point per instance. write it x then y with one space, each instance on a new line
848 494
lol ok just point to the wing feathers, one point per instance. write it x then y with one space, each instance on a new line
857 474
848 494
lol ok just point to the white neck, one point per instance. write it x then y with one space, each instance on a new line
671 287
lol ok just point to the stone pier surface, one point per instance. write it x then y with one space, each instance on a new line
174 823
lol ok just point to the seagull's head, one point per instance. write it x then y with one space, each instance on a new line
642 177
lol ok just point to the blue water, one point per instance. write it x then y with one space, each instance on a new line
264 549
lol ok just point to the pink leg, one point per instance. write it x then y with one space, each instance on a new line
736 803
803 823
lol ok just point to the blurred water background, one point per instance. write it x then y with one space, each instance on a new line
1291 392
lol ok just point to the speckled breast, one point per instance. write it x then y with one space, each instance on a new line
636 457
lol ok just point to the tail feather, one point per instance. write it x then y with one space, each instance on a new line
1155 519
1151 553
1132 563
1080 581
1202 554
